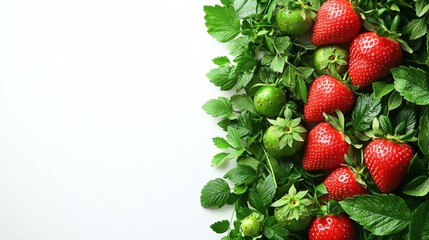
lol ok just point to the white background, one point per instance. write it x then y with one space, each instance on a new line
102 135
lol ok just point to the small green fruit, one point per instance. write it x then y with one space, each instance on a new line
291 22
269 101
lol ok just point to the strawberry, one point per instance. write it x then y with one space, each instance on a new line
325 148
336 22
372 57
338 227
387 162
326 95
342 184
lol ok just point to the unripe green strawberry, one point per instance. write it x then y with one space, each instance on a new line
269 101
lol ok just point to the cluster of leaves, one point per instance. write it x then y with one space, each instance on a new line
260 54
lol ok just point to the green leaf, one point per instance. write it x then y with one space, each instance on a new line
220 107
412 84
221 61
424 134
379 214
282 44
422 7
419 187
239 45
263 195
233 137
220 226
222 22
249 161
419 227
245 8
221 143
301 89
244 79
241 103
224 77
366 109
241 175
215 194
408 116
277 64
395 101
417 28
245 62
275 231
219 159
381 89
288 77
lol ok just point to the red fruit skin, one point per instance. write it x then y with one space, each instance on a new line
325 148
387 163
338 227
372 57
326 95
336 23
342 184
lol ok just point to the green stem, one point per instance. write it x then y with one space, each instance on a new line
271 167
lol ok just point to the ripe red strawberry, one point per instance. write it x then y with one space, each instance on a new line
337 227
387 162
326 95
325 148
342 184
336 22
372 57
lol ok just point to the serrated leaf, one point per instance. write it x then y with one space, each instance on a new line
220 107
249 161
419 227
219 159
241 175
422 7
245 62
408 116
244 79
288 77
417 28
215 194
380 214
245 8
222 22
263 195
241 103
221 143
224 77
239 45
366 109
277 64
220 226
221 61
275 231
233 138
412 84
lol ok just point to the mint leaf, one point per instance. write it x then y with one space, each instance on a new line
224 77
277 64
241 175
379 214
422 7
263 195
381 89
215 194
220 107
245 8
419 227
241 103
412 84
220 226
222 22
424 134
366 109
275 231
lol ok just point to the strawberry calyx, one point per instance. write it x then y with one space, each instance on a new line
382 127
287 129
338 123
294 204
